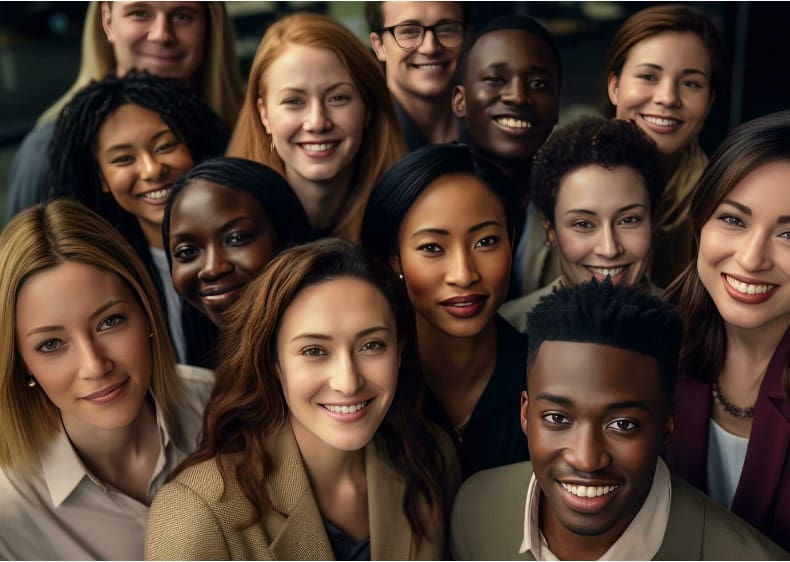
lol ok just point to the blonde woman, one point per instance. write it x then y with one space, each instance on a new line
193 41
94 410
317 111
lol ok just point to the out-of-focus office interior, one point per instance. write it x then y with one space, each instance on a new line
40 53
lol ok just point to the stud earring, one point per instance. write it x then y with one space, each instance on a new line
151 334
400 276
32 382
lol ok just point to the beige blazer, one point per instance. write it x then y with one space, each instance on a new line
190 520
541 261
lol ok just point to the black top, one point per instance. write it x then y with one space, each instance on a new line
344 547
414 137
493 436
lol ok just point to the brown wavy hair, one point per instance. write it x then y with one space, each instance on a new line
382 142
749 146
248 404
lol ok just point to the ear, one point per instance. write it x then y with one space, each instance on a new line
613 87
523 412
551 234
669 430
262 114
459 101
106 21
104 186
377 43
401 345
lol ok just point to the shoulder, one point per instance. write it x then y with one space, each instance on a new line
516 311
197 384
27 177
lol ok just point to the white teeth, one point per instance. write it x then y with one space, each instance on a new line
513 123
428 66
319 147
346 409
747 288
158 194
588 491
612 271
660 122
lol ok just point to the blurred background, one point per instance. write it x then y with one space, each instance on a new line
40 52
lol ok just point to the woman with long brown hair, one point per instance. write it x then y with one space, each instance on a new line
732 437
317 111
313 446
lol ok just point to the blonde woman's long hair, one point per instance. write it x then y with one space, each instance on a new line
383 142
40 238
218 79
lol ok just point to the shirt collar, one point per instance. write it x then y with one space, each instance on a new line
640 541
63 470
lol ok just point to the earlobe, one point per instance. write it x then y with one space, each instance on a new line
523 412
551 234
395 265
669 430
262 114
613 88
459 101
106 21
378 46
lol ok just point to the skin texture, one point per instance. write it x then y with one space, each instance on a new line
751 247
406 75
79 342
453 242
311 100
337 345
665 76
510 75
602 222
220 239
139 159
164 38
590 421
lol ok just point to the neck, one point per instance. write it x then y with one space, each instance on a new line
321 200
750 350
668 164
152 234
433 116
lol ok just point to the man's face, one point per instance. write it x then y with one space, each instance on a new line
425 71
510 94
596 418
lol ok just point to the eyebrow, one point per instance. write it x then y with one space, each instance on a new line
302 91
781 219
620 210
128 145
327 337
684 71
177 236
563 401
530 69
444 232
98 312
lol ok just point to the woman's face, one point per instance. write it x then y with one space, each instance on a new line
454 255
338 359
85 339
315 114
164 38
602 225
220 239
665 87
139 159
744 254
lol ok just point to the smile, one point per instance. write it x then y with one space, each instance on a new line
346 408
159 195
588 491
319 147
107 394
513 123
748 288
662 121
430 66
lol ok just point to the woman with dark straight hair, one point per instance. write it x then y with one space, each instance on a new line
733 402
313 444
446 229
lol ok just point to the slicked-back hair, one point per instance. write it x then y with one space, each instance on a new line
592 140
404 181
621 316
269 188
248 405
375 16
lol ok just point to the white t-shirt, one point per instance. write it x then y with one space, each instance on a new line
726 455
172 303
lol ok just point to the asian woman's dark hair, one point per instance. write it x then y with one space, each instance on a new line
747 147
404 181
248 404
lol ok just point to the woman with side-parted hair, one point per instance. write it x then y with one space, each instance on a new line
313 446
317 110
666 64
732 437
224 220
95 412
445 227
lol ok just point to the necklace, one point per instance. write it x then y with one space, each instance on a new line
730 408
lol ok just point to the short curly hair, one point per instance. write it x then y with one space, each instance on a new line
593 140
621 316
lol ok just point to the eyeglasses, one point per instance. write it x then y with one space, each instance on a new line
409 36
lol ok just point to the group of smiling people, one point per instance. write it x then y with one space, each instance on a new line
266 326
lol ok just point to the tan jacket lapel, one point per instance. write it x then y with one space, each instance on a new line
390 534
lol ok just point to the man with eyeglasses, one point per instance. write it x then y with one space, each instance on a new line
419 44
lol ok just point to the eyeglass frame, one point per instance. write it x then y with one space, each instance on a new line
425 30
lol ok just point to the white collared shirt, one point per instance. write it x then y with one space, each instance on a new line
641 540
63 512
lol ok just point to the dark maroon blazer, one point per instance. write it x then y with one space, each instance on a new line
763 494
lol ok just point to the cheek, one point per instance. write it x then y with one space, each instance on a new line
496 267
184 277
422 282
573 246
637 242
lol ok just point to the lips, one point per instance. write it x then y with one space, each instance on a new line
465 306
590 497
106 394
319 149
429 65
661 124
747 290
219 297
347 413
616 272
156 196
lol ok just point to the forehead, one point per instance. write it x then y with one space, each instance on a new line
130 121
302 65
595 375
204 197
517 48
595 187
425 13
765 190
672 50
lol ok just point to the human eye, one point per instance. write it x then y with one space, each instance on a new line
239 238
630 220
312 351
185 253
122 160
339 99
167 146
487 242
556 419
691 84
373 345
429 248
408 31
647 77
48 346
292 101
623 425
138 14
538 84
730 219
582 225
111 322
494 80
182 16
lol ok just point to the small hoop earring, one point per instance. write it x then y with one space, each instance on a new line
32 382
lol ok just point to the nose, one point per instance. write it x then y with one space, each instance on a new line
587 452
150 168
666 93
429 43
93 361
462 269
608 243
317 118
754 252
345 377
160 30
216 264
515 92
